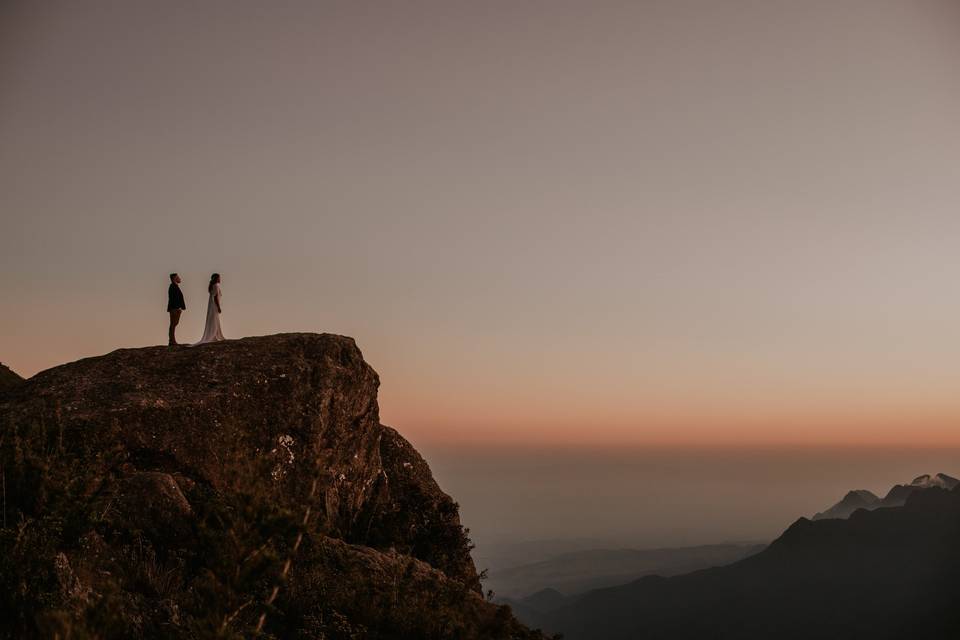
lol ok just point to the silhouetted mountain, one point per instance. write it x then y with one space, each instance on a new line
546 600
896 497
238 489
857 499
578 571
531 610
941 480
504 554
881 574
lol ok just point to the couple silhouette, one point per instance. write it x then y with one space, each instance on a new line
176 306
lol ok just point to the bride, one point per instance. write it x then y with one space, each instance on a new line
212 332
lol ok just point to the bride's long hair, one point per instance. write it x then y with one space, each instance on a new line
214 279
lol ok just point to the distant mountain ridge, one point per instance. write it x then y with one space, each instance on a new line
856 499
896 497
579 571
880 574
941 480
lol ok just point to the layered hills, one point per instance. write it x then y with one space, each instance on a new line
883 573
579 571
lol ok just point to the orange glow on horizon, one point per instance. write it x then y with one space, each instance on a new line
829 426
550 412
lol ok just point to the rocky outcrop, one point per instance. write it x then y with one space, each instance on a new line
409 513
8 379
228 486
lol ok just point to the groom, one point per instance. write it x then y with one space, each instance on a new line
175 306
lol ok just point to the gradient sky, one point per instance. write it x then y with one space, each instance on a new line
645 222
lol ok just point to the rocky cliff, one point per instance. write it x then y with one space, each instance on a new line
224 489
8 379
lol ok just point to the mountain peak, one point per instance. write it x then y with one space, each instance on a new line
860 495
941 480
853 500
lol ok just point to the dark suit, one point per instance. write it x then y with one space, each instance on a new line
175 305
175 298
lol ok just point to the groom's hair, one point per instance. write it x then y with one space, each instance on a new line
172 276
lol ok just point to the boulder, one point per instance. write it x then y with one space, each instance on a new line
213 487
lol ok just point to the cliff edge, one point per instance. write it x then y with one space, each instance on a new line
222 489
8 379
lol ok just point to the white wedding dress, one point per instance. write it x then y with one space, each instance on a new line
212 332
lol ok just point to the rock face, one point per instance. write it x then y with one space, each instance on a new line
224 487
8 379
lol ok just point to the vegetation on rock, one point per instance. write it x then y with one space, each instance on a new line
240 489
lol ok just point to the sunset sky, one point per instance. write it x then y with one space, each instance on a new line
669 223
